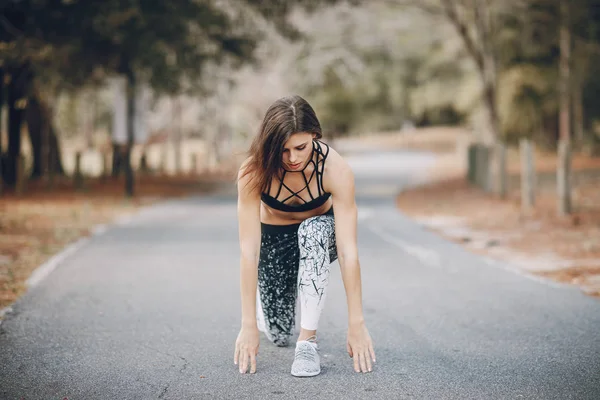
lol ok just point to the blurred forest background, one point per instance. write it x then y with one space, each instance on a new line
107 88
107 105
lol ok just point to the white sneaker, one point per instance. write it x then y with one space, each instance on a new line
306 360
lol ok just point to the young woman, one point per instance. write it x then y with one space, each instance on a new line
287 191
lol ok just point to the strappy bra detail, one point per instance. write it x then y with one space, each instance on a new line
317 173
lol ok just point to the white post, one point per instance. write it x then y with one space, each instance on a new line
563 174
500 169
527 175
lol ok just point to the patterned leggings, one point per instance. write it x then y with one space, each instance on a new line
294 259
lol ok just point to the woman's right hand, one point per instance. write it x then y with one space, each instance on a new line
246 348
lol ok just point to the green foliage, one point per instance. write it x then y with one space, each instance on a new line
365 104
374 67
365 68
166 43
528 98
429 77
528 95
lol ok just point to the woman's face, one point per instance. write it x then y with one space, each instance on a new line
297 151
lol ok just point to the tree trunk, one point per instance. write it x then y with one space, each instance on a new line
2 100
35 122
89 116
119 122
497 169
578 116
55 165
17 92
15 117
44 143
129 178
564 154
477 35
2 125
44 166
21 178
489 78
490 95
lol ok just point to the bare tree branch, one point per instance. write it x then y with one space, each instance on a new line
480 23
463 30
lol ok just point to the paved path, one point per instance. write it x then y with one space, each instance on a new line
150 310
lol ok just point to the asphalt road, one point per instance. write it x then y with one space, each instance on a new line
150 310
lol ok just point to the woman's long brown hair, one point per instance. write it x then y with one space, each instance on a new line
286 116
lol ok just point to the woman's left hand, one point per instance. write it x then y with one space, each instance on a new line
360 347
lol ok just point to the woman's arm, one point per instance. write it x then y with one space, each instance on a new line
341 186
339 180
249 237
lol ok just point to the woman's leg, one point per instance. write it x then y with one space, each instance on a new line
277 282
316 240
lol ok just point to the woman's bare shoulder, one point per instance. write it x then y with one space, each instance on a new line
337 172
246 176
242 171
335 162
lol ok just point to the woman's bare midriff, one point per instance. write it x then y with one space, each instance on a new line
271 216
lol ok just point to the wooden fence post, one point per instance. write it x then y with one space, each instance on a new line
144 163
471 163
194 164
163 159
563 175
500 169
482 162
527 175
105 172
77 176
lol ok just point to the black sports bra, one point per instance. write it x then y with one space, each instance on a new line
315 202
